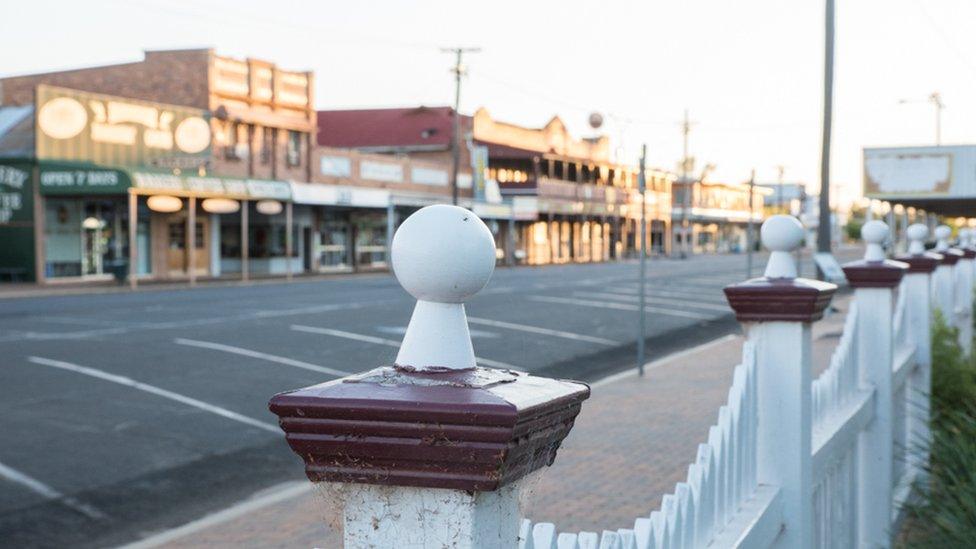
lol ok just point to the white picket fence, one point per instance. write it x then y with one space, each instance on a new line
866 423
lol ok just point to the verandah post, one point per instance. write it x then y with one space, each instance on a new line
433 451
874 279
918 315
778 310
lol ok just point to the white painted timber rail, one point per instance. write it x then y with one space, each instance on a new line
866 419
720 483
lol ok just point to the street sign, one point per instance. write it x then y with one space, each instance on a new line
829 266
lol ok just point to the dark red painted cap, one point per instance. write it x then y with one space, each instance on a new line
475 429
768 299
875 274
968 253
951 256
921 263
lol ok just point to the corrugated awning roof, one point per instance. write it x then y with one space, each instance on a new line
17 131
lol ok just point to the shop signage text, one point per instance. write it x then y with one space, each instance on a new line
89 127
12 186
336 166
80 180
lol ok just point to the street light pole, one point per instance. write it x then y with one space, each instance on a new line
823 232
688 187
458 71
642 331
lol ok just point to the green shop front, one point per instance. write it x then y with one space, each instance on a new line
94 186
71 222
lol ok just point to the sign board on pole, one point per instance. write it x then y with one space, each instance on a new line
829 266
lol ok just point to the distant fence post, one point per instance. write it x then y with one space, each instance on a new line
944 286
874 279
964 290
918 311
778 310
432 451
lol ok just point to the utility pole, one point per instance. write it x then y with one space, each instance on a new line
642 187
823 231
936 100
459 70
688 187
779 195
749 228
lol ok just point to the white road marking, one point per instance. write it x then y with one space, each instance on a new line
618 306
388 342
152 389
257 354
189 322
540 330
48 492
276 494
659 300
713 294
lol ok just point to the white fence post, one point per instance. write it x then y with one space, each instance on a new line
431 452
944 286
874 280
918 311
778 310
964 291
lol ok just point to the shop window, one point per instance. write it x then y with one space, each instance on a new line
84 237
294 148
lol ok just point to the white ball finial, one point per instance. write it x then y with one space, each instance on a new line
874 234
917 233
781 234
942 234
443 254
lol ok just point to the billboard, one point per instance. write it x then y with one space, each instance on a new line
920 172
104 129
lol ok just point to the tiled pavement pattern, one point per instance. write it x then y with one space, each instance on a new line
631 444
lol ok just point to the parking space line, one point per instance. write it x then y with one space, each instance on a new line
257 354
152 389
383 341
619 306
48 492
540 330
658 299
717 296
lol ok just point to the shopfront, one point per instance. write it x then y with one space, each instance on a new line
348 227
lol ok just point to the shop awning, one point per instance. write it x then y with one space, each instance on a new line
76 179
339 195
153 183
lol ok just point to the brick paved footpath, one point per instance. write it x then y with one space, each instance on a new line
632 442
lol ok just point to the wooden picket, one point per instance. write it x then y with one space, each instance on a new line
720 504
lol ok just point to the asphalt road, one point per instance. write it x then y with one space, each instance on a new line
123 414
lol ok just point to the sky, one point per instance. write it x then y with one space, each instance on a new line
749 72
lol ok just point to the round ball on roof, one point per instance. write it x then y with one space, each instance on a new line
943 232
443 254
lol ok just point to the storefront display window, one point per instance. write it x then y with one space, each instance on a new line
370 239
84 238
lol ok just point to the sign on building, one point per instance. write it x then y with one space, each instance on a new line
919 172
104 129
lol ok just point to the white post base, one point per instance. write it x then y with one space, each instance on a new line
430 518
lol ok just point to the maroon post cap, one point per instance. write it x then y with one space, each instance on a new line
921 263
472 429
968 253
875 274
951 256
768 299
